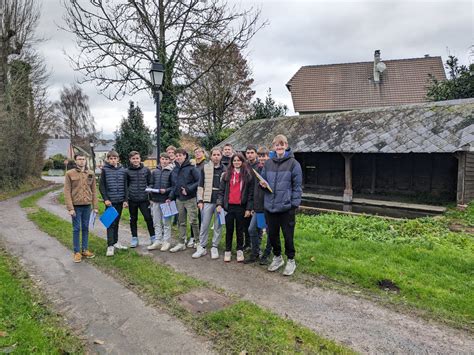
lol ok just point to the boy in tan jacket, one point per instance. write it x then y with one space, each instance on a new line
79 194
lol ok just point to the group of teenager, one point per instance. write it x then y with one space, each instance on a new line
241 187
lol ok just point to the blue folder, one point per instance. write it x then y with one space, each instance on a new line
261 223
109 216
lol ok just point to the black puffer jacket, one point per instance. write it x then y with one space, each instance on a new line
258 193
187 176
138 179
113 183
161 179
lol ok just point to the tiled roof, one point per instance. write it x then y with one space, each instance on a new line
348 86
435 127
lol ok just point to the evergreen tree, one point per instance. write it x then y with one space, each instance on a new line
267 109
133 134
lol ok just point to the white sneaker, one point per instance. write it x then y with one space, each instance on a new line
120 246
110 251
290 267
227 256
199 252
165 247
190 243
214 253
240 256
154 246
178 247
276 263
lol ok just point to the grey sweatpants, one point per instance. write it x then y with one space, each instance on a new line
206 216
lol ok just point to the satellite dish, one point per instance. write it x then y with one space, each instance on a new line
381 67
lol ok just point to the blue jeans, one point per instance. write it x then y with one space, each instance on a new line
81 220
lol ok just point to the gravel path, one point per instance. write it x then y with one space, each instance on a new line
358 323
91 301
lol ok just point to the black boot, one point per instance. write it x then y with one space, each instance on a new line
252 259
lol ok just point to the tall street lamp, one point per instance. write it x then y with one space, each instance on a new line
91 144
156 74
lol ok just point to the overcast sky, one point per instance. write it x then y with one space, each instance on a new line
299 32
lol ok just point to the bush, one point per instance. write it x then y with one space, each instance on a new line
48 164
58 161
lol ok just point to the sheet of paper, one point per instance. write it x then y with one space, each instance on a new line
92 218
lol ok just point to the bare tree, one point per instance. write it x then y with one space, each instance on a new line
73 114
220 100
119 39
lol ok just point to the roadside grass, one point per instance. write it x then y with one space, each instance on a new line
420 261
241 326
27 324
30 184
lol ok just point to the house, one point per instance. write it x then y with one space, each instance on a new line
412 150
351 86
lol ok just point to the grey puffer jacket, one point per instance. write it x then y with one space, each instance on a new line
285 178
161 179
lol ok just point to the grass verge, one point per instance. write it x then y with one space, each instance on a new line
421 262
27 324
30 184
241 326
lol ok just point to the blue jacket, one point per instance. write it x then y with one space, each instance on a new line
285 178
161 179
187 176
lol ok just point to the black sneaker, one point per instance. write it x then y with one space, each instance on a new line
252 259
264 260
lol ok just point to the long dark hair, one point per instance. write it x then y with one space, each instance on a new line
244 169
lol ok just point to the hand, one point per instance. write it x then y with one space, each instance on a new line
96 210
162 191
108 203
125 205
183 191
263 184
218 209
200 205
168 201
247 214
72 213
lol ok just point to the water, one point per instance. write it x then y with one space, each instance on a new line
367 209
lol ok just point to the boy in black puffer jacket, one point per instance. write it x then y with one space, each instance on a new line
161 180
138 179
113 188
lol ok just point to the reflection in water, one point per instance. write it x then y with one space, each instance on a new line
367 209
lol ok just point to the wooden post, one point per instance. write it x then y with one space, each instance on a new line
347 197
461 156
374 173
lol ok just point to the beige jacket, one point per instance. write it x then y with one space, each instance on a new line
79 189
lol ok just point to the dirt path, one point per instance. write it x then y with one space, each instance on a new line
355 322
96 304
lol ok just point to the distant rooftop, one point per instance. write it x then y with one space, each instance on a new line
349 86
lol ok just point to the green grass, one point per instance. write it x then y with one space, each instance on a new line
432 266
241 326
27 323
30 184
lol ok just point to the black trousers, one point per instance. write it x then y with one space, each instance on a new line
234 219
144 207
112 231
286 222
